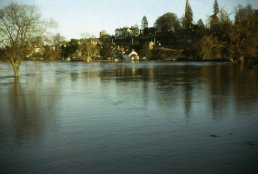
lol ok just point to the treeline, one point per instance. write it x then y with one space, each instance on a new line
236 40
24 35
221 38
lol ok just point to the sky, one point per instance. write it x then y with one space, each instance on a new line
75 17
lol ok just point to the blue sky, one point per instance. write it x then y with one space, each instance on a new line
91 16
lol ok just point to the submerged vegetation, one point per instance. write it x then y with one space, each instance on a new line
24 36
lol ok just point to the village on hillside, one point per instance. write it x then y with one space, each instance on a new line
171 38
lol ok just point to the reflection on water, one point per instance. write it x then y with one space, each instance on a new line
129 118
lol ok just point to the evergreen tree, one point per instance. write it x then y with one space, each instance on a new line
188 19
144 22
216 8
214 19
200 24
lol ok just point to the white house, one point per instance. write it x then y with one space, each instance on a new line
126 32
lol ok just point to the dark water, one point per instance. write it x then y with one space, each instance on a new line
174 118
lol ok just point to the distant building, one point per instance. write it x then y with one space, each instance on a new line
104 34
127 32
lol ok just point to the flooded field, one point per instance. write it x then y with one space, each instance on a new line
129 118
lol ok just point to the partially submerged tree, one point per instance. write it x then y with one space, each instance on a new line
19 26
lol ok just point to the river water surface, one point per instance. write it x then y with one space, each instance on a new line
129 118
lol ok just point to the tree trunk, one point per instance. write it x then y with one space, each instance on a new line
16 67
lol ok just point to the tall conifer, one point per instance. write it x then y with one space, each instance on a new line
216 8
144 22
188 18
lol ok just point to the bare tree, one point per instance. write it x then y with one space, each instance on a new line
89 46
244 34
56 42
216 43
20 24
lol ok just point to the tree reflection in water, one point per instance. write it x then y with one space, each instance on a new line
213 87
153 111
31 107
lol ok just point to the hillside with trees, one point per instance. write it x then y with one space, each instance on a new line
220 39
170 38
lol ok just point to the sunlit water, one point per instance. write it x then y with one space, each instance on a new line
129 118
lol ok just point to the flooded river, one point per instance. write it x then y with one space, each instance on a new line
129 118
